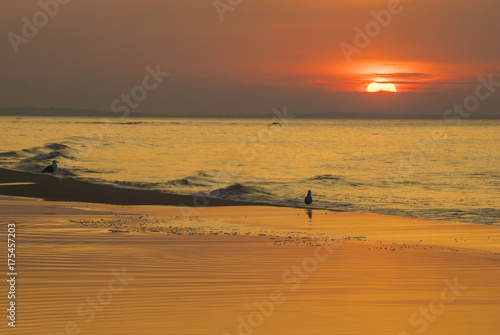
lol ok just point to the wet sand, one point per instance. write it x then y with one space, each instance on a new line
247 270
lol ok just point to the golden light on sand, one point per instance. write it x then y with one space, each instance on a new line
378 87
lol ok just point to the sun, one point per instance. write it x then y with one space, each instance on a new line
378 86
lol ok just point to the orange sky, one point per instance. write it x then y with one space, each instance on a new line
278 52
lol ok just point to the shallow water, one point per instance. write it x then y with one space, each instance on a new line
416 168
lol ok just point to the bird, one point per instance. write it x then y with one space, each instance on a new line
308 200
51 168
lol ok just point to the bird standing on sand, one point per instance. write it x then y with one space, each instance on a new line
309 199
51 168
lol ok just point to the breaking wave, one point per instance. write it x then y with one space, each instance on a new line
34 159
238 191
199 179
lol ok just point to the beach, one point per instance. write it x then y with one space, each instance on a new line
234 167
150 268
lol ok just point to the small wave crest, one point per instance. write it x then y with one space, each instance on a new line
137 185
199 179
50 151
239 191
332 179
325 177
9 154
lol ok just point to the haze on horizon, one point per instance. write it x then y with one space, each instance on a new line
262 55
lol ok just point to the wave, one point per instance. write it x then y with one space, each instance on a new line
36 158
325 177
238 191
20 153
55 150
188 181
201 178
9 154
332 179
137 185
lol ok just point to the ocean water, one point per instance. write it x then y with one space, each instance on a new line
416 168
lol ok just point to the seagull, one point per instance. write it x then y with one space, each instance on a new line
308 200
51 168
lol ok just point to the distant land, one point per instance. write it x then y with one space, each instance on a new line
32 111
68 112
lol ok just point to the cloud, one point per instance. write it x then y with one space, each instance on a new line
402 75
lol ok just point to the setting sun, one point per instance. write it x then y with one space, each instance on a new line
378 87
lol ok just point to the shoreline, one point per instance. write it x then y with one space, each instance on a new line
24 184
51 188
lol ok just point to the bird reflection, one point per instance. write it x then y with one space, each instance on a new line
309 213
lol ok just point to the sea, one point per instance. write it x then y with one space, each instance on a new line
428 169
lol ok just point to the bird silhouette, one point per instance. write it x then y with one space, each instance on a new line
51 168
308 200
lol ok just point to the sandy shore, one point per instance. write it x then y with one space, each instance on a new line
247 270
91 268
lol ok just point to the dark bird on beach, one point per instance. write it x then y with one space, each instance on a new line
51 168
309 199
